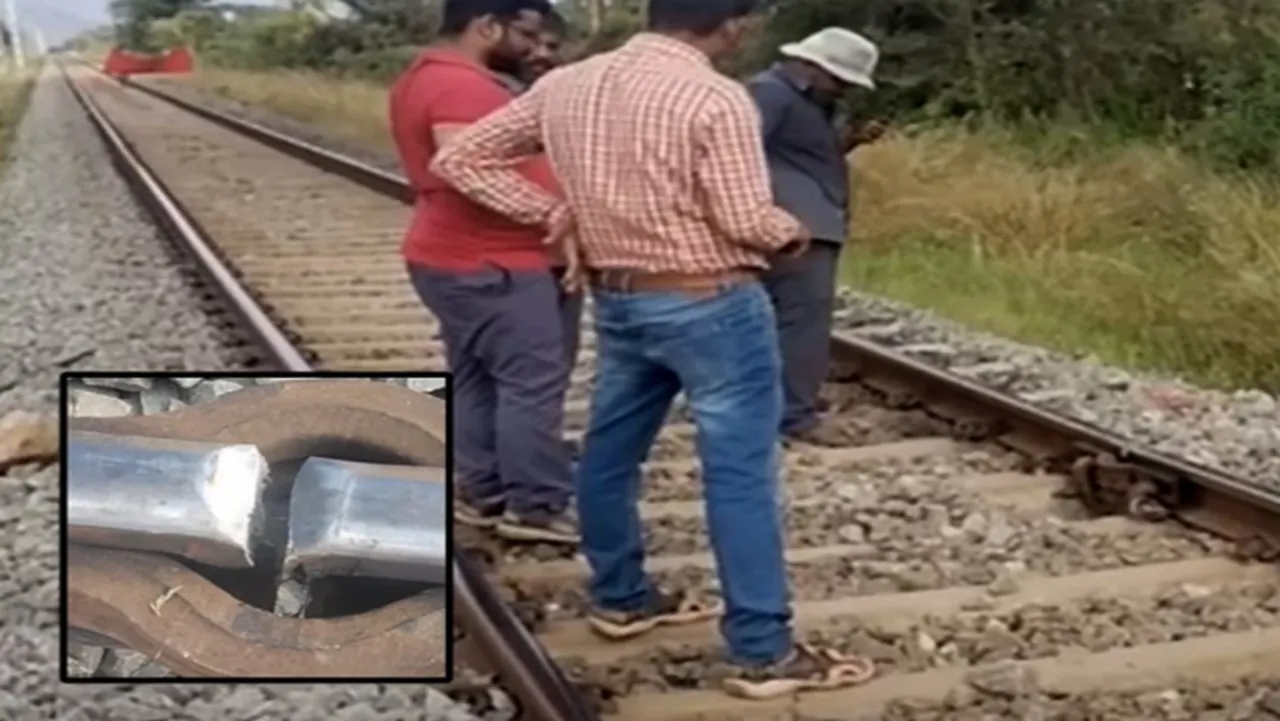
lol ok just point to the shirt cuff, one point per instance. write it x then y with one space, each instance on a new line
781 229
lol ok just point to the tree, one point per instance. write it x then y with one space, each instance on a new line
133 18
416 19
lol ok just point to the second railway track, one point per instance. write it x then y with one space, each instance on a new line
977 549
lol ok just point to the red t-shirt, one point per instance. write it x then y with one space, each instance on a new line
449 231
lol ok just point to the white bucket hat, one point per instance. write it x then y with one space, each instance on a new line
848 56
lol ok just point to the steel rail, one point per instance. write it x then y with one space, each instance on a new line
187 235
518 658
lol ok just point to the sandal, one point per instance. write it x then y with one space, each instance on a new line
665 609
805 669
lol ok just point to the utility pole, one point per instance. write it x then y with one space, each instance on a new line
41 48
15 33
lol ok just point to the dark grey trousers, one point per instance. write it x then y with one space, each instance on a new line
803 291
571 319
504 337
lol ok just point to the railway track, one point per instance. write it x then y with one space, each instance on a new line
980 549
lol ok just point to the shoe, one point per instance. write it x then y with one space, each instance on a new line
666 609
477 514
539 527
805 669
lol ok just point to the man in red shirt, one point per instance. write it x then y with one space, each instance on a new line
489 282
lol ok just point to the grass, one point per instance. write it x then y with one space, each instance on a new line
15 92
1131 253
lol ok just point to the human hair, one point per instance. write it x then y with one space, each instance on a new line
459 14
700 17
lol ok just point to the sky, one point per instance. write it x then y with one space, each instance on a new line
63 19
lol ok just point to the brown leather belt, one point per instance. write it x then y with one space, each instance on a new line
639 281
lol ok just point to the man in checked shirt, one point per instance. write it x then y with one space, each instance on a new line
667 196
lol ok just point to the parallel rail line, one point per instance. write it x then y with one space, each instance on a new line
306 255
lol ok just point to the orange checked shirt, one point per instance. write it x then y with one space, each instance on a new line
660 158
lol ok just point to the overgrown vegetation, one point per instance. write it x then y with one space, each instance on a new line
1131 252
15 92
1096 177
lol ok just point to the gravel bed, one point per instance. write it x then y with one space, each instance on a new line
86 280
1033 631
901 516
908 532
1237 432
87 284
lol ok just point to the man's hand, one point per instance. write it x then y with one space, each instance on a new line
864 134
575 271
798 245
869 132
560 224
562 232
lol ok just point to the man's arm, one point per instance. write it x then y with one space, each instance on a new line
481 160
734 176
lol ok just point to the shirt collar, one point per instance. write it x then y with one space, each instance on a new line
792 78
802 85
670 47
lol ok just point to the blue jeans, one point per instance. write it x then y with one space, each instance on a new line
723 351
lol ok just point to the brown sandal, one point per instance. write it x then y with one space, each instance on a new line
806 669
667 609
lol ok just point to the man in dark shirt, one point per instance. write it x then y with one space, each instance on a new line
489 282
807 148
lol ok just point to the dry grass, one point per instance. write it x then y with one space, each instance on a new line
15 92
1133 253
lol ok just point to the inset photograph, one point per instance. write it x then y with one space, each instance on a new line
260 528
